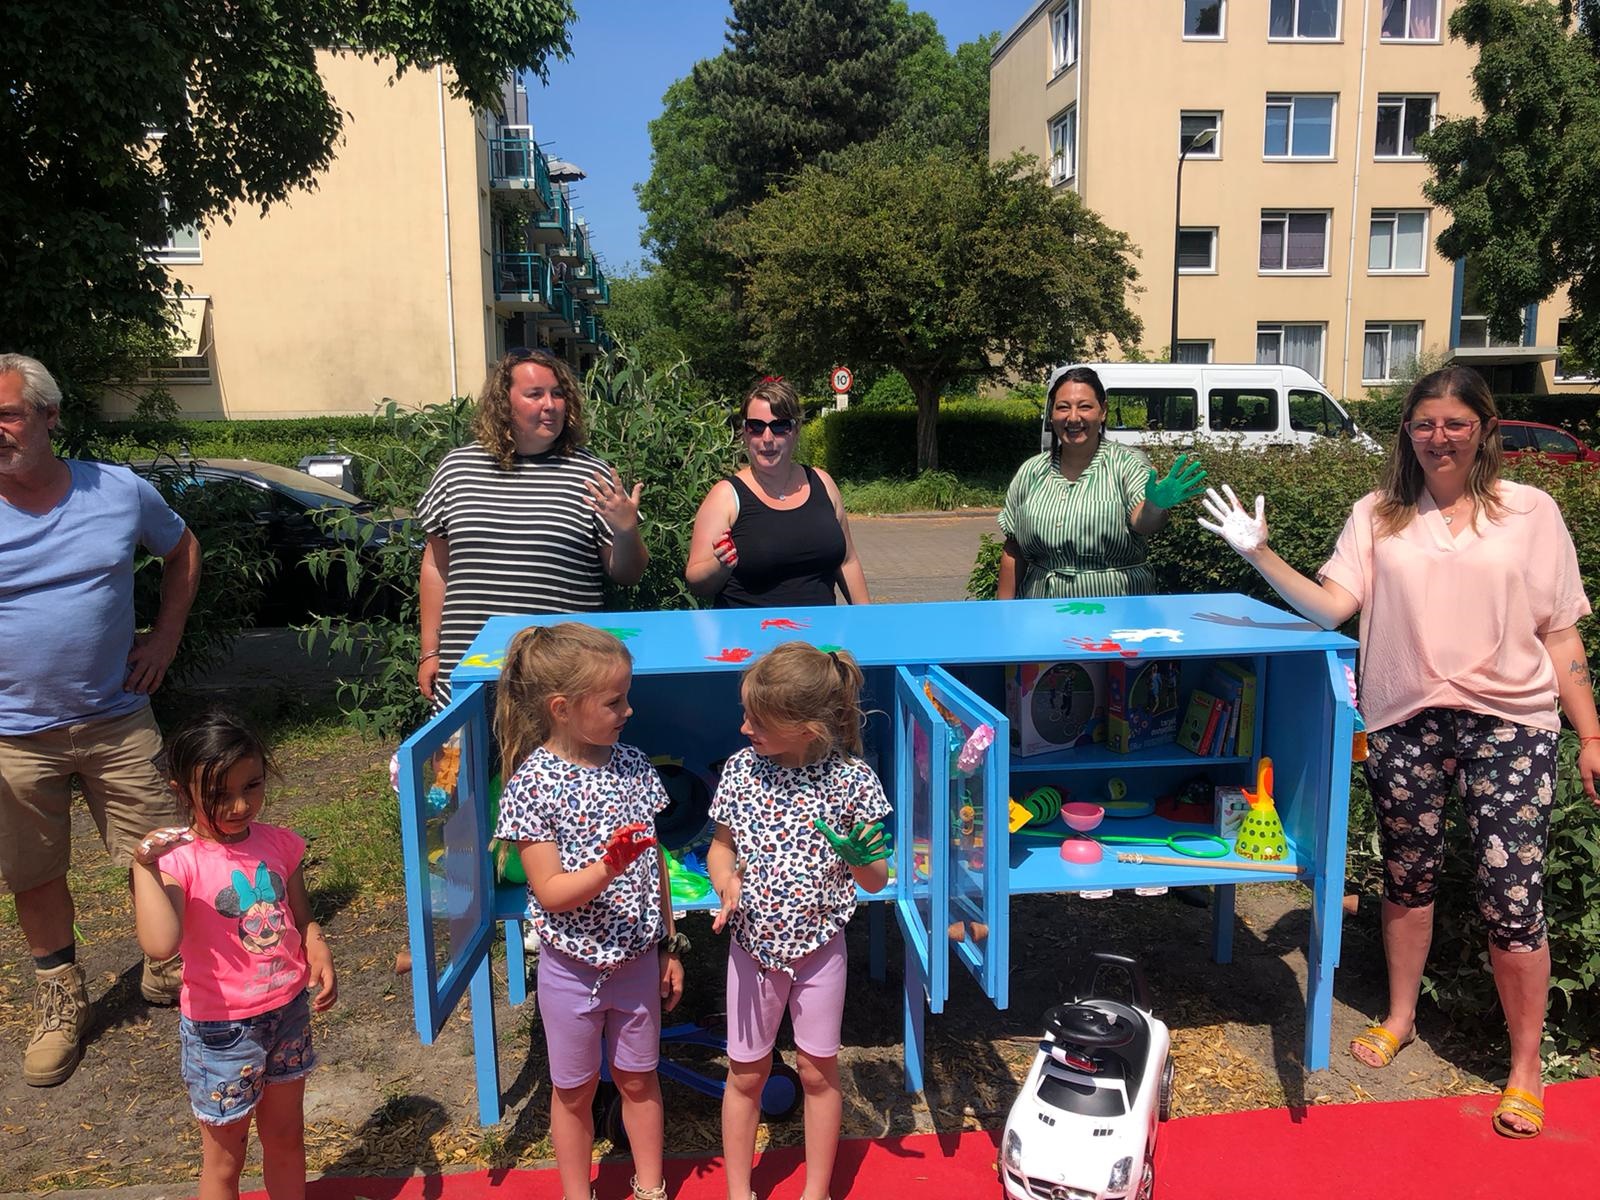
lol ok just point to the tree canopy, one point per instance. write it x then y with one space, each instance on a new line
1521 182
932 263
122 122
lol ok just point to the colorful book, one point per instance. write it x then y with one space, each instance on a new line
1199 722
1219 739
1249 708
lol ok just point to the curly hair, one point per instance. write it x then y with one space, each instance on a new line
492 425
1402 476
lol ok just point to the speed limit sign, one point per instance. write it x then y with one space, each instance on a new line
841 379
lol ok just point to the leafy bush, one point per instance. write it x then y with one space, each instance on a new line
984 581
932 491
659 429
976 437
891 391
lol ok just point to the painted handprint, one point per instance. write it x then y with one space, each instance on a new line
1144 635
1103 646
784 623
730 654
1081 608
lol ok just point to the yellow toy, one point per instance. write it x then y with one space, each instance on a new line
1261 834
1038 807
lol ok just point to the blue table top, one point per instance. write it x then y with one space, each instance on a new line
992 631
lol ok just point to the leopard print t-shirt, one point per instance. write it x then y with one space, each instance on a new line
797 891
578 808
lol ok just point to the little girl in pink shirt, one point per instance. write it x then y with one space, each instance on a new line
229 893
1469 594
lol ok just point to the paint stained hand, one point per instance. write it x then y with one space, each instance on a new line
727 553
1232 523
863 846
1183 481
158 841
625 845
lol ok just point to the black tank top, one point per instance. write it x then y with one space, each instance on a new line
788 558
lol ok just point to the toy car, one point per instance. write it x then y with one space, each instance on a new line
1084 1126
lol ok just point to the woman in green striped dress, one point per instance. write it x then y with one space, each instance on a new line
1076 518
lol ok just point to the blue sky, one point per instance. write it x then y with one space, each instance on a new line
599 103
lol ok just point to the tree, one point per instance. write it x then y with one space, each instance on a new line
122 122
1522 181
937 265
946 99
801 79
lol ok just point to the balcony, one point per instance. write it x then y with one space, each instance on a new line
552 227
517 164
521 283
558 317
576 249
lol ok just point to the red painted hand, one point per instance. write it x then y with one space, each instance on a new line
732 654
625 845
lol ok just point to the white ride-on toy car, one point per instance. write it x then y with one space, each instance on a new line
1084 1127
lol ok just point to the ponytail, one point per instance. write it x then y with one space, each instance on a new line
541 663
798 686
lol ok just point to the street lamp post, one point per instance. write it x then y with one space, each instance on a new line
1200 140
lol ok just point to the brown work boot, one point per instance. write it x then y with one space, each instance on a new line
63 1005
160 982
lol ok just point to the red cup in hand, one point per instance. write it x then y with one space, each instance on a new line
625 845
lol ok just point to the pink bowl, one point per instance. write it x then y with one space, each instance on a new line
1080 850
1082 816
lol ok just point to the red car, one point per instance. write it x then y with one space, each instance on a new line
1522 437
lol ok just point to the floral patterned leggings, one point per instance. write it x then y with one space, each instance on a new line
1505 774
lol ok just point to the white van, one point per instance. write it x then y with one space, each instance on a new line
1181 404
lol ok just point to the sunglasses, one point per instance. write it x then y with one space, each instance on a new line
781 427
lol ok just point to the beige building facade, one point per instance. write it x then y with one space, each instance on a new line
435 241
1304 236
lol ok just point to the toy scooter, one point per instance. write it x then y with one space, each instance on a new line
1084 1127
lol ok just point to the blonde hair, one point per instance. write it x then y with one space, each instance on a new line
541 663
492 423
797 686
1403 479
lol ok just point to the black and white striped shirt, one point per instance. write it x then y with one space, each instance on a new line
521 541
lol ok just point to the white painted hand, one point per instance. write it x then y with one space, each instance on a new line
1232 523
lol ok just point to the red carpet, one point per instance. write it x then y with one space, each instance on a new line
1411 1150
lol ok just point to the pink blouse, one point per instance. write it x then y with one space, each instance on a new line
1456 621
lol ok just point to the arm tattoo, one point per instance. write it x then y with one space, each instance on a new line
1579 671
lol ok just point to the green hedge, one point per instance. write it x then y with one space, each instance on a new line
976 437
1578 414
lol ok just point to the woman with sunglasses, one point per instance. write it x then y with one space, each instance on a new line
525 520
775 535
1469 595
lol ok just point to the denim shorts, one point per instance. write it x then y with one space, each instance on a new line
227 1064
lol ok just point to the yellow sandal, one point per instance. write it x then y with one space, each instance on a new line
1382 1043
1522 1104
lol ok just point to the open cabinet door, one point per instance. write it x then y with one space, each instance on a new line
922 755
444 836
975 795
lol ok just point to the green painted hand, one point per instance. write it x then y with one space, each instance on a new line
1081 608
1184 481
865 845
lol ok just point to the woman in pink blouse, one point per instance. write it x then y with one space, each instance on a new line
1469 595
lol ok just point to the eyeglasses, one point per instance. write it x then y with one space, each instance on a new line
1455 430
782 427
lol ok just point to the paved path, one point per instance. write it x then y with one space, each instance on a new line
920 556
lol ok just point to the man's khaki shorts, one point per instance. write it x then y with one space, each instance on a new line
114 761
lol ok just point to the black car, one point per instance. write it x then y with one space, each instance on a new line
289 506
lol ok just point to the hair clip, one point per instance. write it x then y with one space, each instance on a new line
772 379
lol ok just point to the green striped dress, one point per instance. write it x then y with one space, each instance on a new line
1075 537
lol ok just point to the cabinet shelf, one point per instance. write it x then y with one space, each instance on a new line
1098 758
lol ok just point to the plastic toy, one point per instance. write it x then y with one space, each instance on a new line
977 745
1085 1122
1038 807
1261 834
1082 815
687 885
1190 843
1081 851
1123 810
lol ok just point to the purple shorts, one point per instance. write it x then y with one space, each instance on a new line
814 998
626 1011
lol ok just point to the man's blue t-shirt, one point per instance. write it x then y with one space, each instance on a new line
66 598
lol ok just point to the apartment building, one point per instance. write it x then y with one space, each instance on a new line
1303 235
438 238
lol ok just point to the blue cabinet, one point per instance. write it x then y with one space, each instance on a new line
934 676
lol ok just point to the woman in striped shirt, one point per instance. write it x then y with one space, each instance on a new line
1076 519
525 521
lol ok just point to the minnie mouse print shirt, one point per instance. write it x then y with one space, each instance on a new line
797 892
578 808
242 955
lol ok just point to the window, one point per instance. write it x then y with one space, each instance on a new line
1299 127
1568 365
1304 20
1514 437
1294 241
1398 241
1291 346
1410 21
1064 146
1194 352
1170 410
1390 347
182 244
1197 251
1553 441
192 361
1401 121
1242 410
1473 330
1312 412
1064 36
1191 125
1204 18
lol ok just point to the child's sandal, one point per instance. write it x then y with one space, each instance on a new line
659 1192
